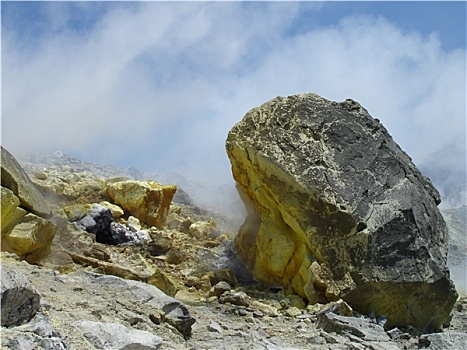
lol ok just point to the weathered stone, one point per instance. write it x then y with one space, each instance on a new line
15 178
115 210
442 341
204 229
214 327
10 211
337 210
59 261
173 311
164 282
360 327
218 289
76 212
19 300
235 298
192 281
116 336
159 245
133 223
339 307
37 334
149 201
293 311
175 256
30 238
130 272
226 275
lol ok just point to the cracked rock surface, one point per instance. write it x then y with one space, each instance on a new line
337 210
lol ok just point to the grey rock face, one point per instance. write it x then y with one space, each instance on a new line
360 327
15 179
114 336
337 210
174 312
37 334
20 301
442 341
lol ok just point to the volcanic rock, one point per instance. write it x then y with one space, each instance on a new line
116 336
149 201
30 238
337 210
16 179
20 301
11 212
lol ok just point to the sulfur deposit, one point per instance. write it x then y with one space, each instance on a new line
337 210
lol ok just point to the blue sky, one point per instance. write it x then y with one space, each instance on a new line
157 86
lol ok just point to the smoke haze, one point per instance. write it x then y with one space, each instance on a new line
158 85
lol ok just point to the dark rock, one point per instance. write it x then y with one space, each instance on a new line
15 178
178 316
20 301
98 221
337 210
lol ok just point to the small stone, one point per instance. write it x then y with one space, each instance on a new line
134 224
238 298
214 327
219 289
314 308
40 175
317 340
192 281
381 320
242 312
204 284
250 320
257 314
394 333
175 256
293 311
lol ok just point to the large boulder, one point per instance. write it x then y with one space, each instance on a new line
26 230
16 179
337 210
149 201
30 238
10 212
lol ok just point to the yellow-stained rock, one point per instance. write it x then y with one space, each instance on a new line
149 201
204 229
75 212
115 210
164 282
15 178
337 210
11 212
30 238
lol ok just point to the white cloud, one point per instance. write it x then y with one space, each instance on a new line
158 85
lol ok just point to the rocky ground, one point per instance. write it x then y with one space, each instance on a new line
103 296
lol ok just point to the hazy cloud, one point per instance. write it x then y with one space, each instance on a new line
158 85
